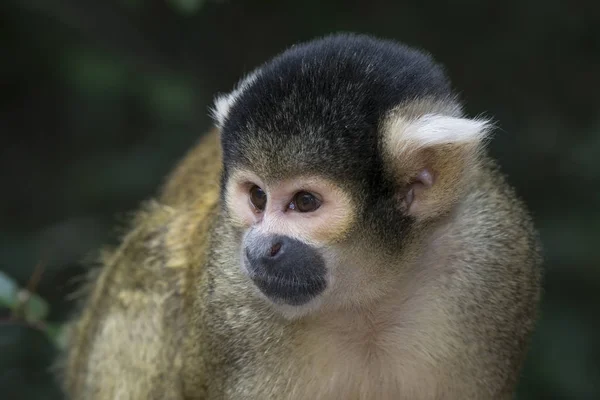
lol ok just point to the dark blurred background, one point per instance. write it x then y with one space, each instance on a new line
99 99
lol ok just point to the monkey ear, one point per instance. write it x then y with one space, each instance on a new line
223 102
432 158
220 109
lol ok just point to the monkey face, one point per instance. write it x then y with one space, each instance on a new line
334 159
289 229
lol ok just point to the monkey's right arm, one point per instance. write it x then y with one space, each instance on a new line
127 341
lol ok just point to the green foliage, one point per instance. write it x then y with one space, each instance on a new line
27 308
92 73
28 343
187 6
172 97
8 291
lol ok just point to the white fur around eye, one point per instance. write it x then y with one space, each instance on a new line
238 201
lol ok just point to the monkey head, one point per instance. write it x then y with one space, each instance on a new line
337 155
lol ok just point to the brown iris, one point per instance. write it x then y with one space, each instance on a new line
305 202
258 198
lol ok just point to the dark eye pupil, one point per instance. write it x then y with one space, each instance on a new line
258 198
306 202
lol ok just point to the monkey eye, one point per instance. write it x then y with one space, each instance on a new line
305 202
258 198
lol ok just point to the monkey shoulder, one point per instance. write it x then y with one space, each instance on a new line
493 207
196 177
496 271
495 237
129 336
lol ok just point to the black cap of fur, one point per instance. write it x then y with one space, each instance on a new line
317 107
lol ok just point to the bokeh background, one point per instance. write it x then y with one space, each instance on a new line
99 99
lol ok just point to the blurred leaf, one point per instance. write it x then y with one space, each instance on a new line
35 308
94 73
8 290
187 6
56 332
171 97
133 4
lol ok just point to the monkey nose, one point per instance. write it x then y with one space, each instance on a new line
272 248
275 249
267 249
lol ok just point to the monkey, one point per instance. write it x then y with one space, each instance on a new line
342 232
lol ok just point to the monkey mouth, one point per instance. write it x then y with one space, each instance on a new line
295 293
293 289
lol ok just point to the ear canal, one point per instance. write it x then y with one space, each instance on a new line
445 149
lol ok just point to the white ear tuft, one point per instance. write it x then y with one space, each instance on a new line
220 109
433 130
223 103
439 129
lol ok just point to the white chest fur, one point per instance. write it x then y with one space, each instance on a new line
378 356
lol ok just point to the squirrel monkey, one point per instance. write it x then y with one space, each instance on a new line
341 234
